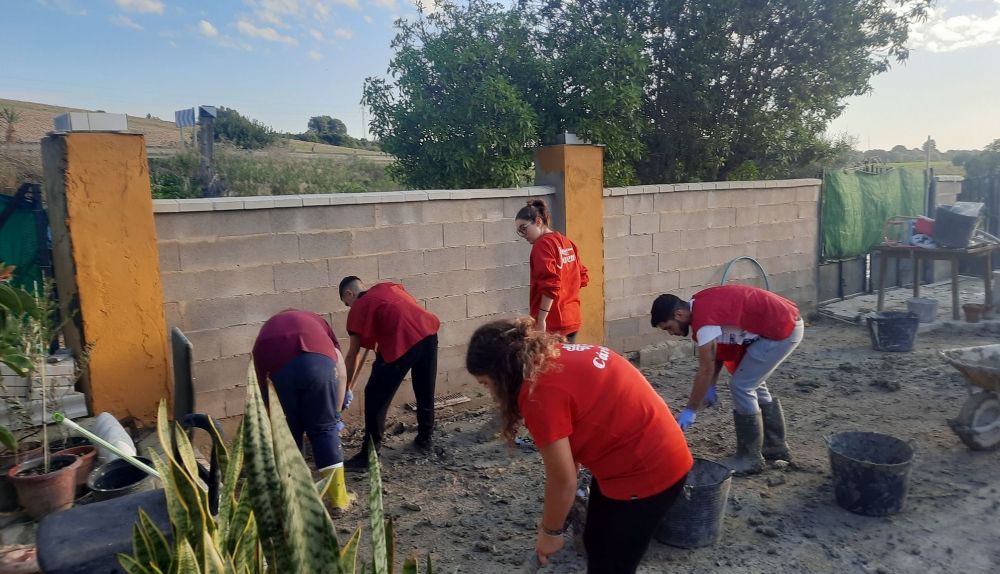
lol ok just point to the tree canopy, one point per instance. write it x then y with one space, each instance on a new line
677 91
242 131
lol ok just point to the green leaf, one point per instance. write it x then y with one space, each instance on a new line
262 476
311 540
186 452
185 560
410 566
149 544
213 562
376 514
349 553
7 439
230 480
132 566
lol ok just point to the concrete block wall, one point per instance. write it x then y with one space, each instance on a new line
679 238
228 264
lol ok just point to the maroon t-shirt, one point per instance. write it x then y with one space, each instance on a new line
288 334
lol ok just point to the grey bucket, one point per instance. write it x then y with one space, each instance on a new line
925 309
118 478
871 472
695 519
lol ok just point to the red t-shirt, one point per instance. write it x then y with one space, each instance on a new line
556 271
387 316
617 425
288 334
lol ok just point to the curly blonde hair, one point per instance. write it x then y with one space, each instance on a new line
511 352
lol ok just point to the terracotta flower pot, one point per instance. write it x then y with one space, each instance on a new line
42 494
86 454
973 312
8 496
25 451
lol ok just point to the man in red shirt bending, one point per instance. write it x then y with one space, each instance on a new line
298 351
751 331
404 335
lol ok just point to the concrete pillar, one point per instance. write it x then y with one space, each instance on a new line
577 173
107 268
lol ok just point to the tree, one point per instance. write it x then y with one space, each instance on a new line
10 116
689 90
984 163
328 130
243 132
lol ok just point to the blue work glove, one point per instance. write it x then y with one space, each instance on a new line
340 423
711 397
686 419
349 396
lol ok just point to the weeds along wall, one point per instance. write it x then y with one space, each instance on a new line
228 264
679 238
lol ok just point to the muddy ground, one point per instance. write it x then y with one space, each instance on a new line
474 505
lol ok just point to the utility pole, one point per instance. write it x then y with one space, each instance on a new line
206 135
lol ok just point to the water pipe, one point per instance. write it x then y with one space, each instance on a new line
763 274
61 419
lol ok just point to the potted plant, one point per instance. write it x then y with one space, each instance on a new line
44 484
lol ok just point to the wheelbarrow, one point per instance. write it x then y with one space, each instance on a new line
978 422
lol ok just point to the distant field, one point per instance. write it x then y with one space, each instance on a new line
36 121
939 167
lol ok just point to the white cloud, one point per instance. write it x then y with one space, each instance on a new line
316 34
390 4
207 29
321 10
67 7
141 6
352 3
943 33
125 22
314 55
227 42
343 33
369 19
269 34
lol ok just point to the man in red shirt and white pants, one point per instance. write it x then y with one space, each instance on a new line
751 331
404 335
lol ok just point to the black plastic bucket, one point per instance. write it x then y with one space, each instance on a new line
893 331
118 478
695 520
871 472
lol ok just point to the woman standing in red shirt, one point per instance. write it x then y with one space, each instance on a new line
557 274
586 405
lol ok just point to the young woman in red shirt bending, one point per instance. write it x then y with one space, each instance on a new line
557 274
586 405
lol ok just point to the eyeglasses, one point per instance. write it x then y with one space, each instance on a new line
522 230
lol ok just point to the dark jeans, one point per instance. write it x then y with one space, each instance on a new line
618 531
307 387
421 362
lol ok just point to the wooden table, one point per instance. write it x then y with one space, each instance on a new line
918 254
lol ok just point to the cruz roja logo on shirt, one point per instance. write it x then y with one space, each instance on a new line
600 358
566 255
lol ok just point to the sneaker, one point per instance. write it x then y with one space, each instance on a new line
357 463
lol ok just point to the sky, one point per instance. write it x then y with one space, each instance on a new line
284 61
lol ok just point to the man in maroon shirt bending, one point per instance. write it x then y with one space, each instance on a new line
299 353
404 335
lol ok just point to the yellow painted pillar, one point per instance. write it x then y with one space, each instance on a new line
577 173
107 268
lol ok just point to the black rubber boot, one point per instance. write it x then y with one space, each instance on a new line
775 447
359 462
749 440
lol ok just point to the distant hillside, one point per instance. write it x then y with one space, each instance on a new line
36 121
